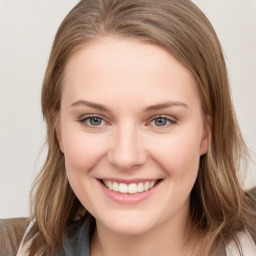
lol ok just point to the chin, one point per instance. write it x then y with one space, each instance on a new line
128 225
127 229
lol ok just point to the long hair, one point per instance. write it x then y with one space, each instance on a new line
219 205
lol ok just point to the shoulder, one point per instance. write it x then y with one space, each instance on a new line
11 233
77 241
246 245
250 210
252 192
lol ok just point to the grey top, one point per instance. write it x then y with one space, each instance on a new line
12 231
77 243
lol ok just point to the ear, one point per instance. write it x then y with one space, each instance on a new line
206 137
57 128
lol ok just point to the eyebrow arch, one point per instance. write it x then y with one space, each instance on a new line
148 109
89 104
165 105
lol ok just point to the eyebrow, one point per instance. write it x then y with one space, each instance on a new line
165 105
89 104
148 109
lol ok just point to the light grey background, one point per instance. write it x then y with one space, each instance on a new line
27 29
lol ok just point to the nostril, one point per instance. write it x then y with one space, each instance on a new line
125 160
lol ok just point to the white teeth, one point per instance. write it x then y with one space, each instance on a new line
110 185
115 186
140 187
123 188
146 186
152 184
131 188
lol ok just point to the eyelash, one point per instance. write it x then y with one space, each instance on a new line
170 121
88 118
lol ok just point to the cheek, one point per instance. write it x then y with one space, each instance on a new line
178 155
82 151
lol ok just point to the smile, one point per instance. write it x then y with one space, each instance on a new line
129 188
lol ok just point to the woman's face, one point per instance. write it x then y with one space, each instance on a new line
132 132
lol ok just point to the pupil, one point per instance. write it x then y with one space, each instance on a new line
95 121
161 121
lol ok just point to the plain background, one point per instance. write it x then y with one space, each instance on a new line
27 29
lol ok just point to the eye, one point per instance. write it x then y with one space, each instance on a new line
162 121
92 121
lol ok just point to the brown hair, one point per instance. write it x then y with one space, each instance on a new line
219 205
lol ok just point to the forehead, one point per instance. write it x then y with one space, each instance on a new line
107 68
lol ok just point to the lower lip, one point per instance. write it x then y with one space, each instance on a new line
129 198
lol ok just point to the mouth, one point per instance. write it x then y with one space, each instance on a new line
131 188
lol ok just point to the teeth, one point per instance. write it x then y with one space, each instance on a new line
123 188
131 188
110 185
146 186
140 187
115 186
152 184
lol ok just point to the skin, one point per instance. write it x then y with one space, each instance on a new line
128 77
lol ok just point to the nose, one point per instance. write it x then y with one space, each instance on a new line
127 151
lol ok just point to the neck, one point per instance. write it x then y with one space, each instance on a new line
172 239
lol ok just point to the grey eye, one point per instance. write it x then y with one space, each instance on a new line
161 121
95 121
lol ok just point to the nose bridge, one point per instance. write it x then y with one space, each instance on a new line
127 150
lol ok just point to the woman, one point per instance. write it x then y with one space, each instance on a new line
142 134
